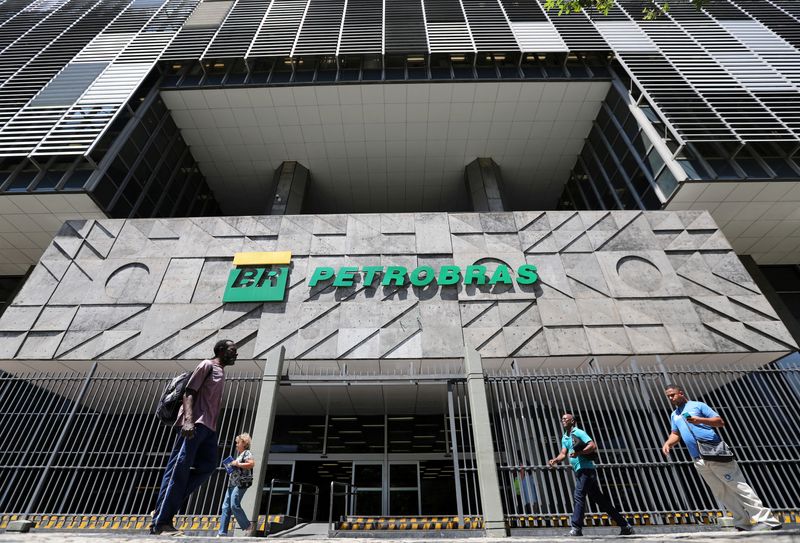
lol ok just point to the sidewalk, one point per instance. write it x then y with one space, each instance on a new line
783 536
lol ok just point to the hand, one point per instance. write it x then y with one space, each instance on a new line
573 454
187 430
552 462
665 449
235 464
693 420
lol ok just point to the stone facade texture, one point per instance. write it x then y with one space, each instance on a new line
611 283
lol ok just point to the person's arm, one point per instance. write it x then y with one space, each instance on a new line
586 451
708 416
247 464
673 439
558 459
187 430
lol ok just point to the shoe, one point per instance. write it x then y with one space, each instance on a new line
626 530
764 527
222 534
740 529
165 529
575 532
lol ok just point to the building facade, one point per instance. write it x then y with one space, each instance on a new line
430 226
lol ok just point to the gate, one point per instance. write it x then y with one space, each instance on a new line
627 415
84 449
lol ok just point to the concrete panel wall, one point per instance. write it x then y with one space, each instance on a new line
610 283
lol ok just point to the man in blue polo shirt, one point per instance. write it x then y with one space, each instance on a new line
579 448
725 479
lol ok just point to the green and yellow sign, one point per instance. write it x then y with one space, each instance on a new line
258 277
262 277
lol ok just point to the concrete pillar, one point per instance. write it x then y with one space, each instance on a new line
291 179
262 431
493 518
484 185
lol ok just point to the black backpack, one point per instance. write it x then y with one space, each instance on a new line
171 399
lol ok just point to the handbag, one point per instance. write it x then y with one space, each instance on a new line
713 451
245 480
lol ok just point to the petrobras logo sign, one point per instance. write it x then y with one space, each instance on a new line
262 277
258 277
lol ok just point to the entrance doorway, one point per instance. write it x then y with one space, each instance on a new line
381 488
399 450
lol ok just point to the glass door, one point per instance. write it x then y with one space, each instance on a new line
404 497
368 498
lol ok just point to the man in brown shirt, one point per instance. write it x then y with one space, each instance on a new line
196 442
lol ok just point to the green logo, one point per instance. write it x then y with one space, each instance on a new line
421 276
262 277
258 277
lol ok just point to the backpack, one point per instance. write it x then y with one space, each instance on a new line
171 399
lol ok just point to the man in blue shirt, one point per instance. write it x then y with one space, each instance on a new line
695 420
579 448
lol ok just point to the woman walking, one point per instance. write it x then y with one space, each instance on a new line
240 477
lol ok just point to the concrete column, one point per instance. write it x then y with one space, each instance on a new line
493 518
262 431
291 179
484 185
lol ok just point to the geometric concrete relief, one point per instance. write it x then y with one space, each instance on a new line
618 283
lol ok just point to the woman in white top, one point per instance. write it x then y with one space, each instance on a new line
239 480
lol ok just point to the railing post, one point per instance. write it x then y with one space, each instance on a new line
262 431
492 506
76 402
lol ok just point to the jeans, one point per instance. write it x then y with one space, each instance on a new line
178 481
586 485
233 503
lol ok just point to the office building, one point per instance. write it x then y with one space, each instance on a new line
431 226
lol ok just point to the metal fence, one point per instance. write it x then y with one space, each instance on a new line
463 451
627 414
88 443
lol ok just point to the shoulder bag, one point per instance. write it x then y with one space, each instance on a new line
711 451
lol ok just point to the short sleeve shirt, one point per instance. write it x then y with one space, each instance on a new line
579 462
701 431
208 382
236 475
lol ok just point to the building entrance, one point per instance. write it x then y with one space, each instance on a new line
403 450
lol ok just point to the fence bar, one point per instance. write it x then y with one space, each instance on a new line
627 414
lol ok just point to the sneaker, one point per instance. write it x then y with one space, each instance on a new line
626 530
740 529
575 532
222 534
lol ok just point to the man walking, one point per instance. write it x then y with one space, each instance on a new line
579 447
196 443
695 420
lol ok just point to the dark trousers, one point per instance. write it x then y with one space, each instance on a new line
586 485
179 481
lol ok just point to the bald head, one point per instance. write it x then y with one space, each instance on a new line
567 421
